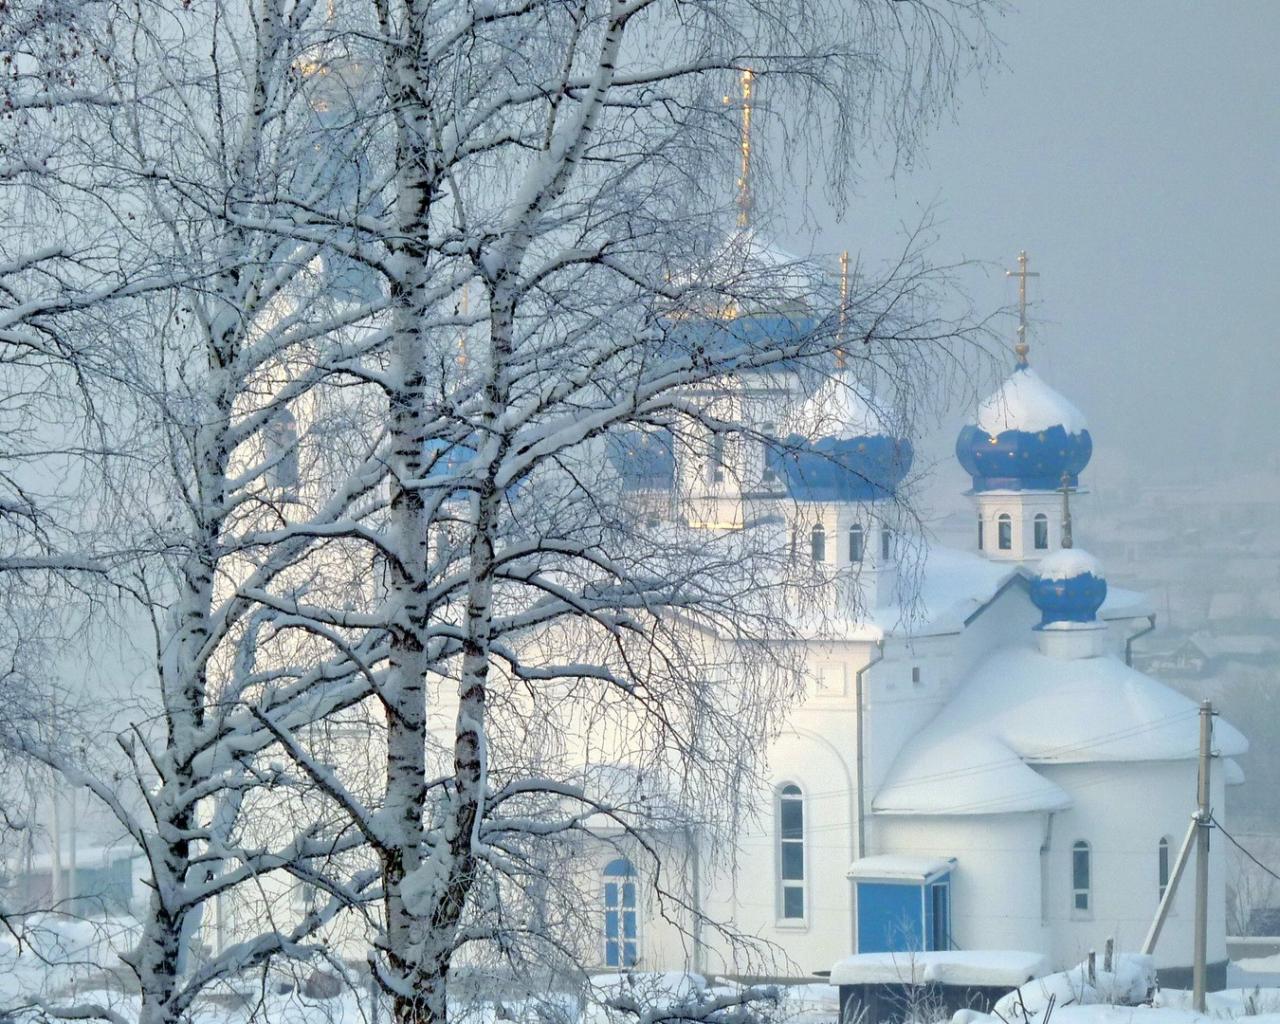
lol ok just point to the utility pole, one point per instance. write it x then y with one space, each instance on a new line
1203 823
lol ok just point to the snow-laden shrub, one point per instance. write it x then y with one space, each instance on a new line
1129 983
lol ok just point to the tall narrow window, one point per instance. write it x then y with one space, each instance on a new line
1162 864
769 475
280 438
857 543
1004 531
1080 876
886 543
717 458
980 533
621 936
791 852
818 543
1042 531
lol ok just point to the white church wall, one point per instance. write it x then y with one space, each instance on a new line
747 892
1122 811
995 887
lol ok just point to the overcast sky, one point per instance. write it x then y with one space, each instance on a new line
1133 149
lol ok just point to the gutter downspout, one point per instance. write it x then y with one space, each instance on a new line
694 852
860 838
1128 644
860 834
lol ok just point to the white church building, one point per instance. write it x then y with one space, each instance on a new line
986 772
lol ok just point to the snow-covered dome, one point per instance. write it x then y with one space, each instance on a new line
1068 587
750 296
1020 709
1025 437
840 448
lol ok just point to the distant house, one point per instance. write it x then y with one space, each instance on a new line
1186 658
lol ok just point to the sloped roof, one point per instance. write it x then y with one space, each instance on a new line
1020 708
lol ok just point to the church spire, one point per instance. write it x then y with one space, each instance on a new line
1022 273
745 204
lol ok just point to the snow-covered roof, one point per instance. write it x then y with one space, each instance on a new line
987 967
1021 708
952 586
1026 402
900 867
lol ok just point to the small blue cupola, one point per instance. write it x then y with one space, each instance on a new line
1025 437
845 450
1068 588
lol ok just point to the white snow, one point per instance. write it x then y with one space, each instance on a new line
837 410
1067 563
1020 708
1026 402
944 967
952 585
898 865
1133 977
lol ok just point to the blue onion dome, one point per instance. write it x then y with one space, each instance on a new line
644 459
1026 436
841 449
749 296
1068 587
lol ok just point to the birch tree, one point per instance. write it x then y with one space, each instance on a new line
563 167
215 352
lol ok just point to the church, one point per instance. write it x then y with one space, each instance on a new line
984 771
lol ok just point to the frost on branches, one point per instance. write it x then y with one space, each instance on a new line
365 300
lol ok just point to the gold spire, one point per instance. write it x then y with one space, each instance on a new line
464 306
747 81
1022 273
844 301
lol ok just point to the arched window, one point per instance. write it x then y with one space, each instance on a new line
791 852
1004 531
280 442
981 532
717 458
1042 531
621 936
857 543
886 543
1162 864
1080 873
818 543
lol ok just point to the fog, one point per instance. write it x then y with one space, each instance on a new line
1133 150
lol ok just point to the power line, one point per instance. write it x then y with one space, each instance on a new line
1236 842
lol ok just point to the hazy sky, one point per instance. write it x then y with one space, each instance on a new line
1133 149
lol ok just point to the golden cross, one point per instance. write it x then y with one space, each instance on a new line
1022 273
844 303
747 80
1066 509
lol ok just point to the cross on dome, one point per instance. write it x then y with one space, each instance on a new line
1022 273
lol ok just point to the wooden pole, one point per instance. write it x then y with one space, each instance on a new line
1170 890
1203 821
